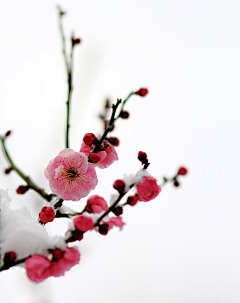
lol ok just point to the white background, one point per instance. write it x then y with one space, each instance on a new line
182 247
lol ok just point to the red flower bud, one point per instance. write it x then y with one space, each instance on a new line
103 229
8 133
182 171
9 257
119 185
176 183
75 41
118 211
89 138
113 140
57 254
142 157
142 92
93 158
47 214
8 170
132 200
22 189
124 114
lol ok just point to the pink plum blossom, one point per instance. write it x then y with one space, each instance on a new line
96 204
107 154
148 189
70 175
83 223
69 258
37 268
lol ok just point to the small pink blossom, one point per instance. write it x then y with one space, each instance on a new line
148 189
116 222
37 268
107 154
70 257
70 175
96 204
83 223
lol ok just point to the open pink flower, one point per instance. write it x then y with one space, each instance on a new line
107 154
148 189
69 258
70 175
96 204
37 268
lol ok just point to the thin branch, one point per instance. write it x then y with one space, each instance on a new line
121 195
27 179
69 70
63 38
109 127
9 265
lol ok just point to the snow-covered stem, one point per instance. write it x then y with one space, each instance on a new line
27 179
7 266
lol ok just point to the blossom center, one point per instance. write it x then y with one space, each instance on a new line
71 174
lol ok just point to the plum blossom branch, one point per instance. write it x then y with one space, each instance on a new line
27 179
121 195
69 70
112 120
11 264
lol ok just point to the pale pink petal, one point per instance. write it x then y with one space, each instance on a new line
86 149
117 221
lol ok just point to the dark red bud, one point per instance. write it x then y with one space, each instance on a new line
118 211
103 229
9 257
142 92
176 183
124 114
182 171
119 185
89 139
114 141
8 170
142 157
75 41
93 158
57 254
47 214
22 189
8 133
132 200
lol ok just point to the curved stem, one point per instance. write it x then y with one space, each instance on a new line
27 179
